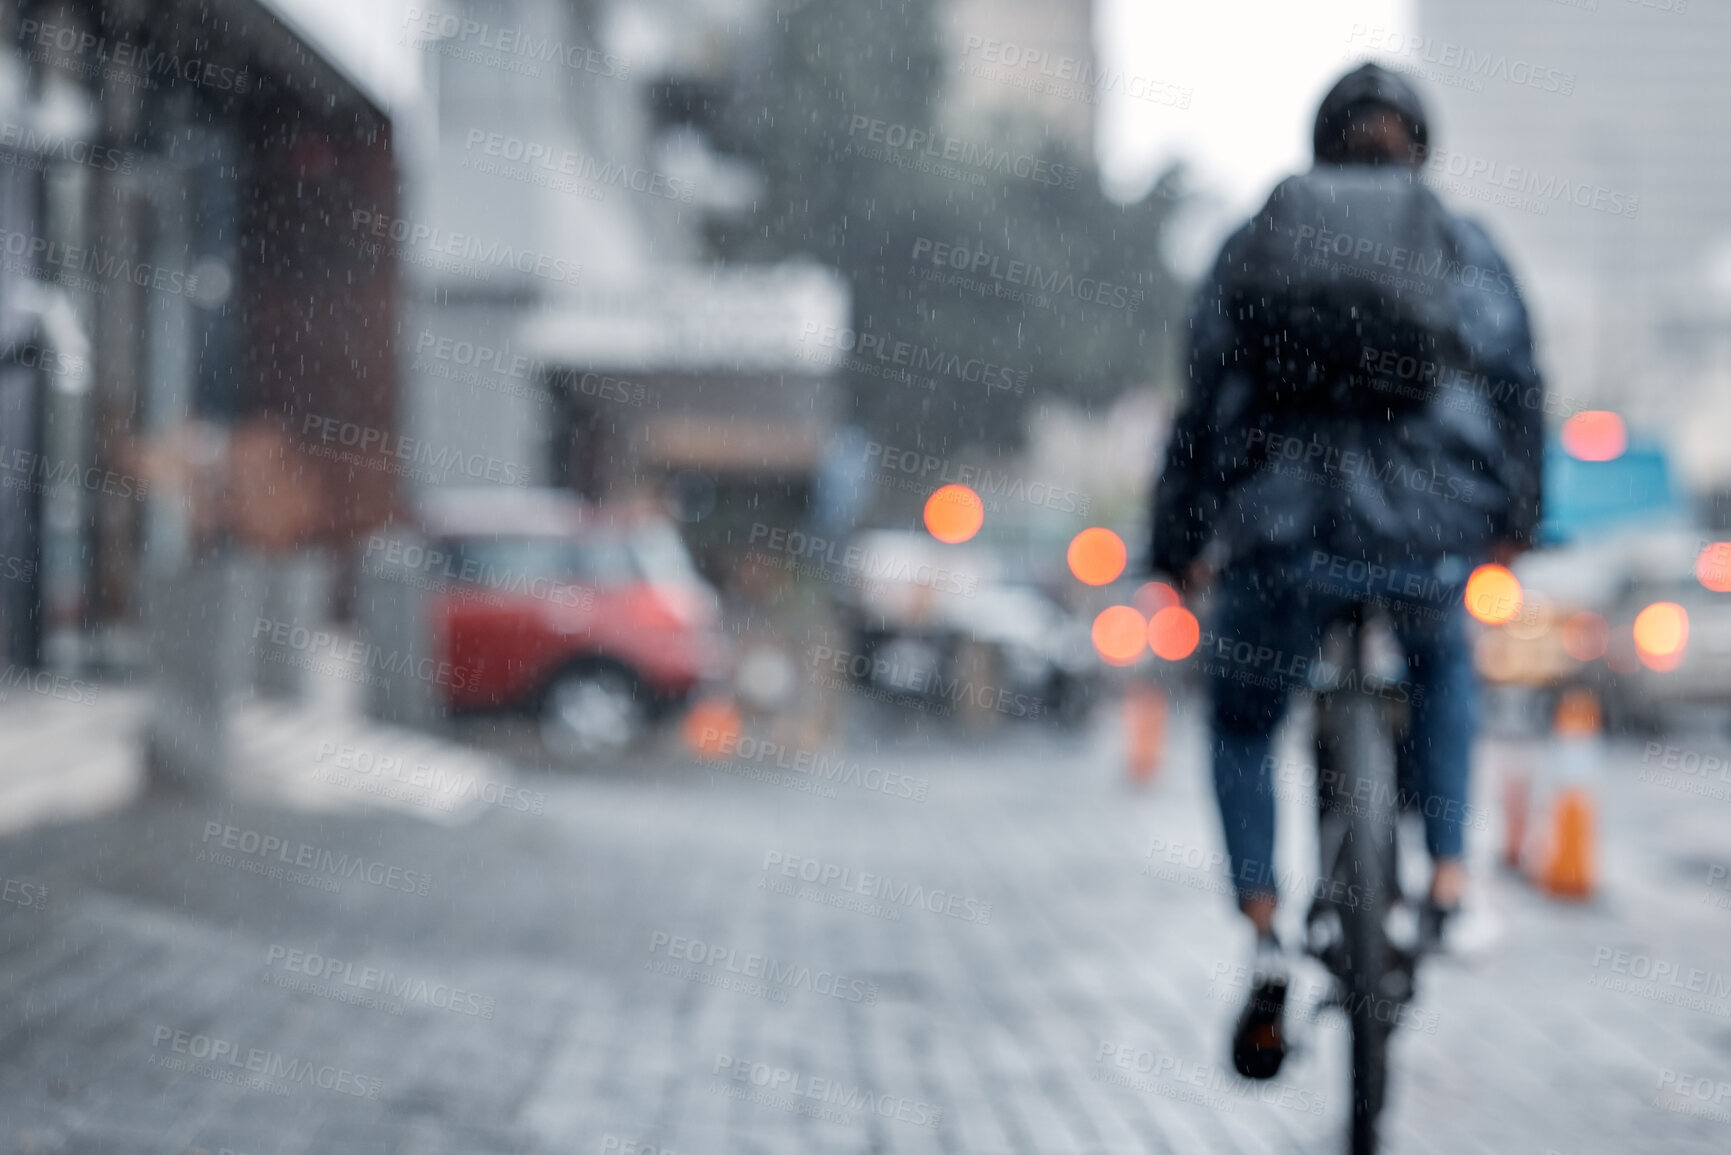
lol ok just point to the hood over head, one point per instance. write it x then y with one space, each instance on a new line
1366 84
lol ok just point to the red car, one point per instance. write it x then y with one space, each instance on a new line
594 618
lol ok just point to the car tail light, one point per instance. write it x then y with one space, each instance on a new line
1493 595
1661 635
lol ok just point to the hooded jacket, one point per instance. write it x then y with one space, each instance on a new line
1449 476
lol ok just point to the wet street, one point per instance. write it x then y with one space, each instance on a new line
921 940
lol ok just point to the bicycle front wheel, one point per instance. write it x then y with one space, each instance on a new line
1367 756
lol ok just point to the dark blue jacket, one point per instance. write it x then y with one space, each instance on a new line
1447 476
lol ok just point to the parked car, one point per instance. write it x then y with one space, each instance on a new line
1642 691
1610 526
950 628
593 618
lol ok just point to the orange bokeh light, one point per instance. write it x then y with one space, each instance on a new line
1154 597
1586 636
1661 635
1097 556
1120 635
710 727
1713 567
1595 435
954 514
1493 595
1174 633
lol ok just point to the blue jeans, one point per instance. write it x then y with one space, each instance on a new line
1271 613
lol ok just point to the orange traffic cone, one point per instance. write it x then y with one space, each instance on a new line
1568 870
711 727
1145 730
1565 865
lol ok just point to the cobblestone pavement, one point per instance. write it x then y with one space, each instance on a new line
971 944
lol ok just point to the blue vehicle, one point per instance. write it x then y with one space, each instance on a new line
1584 499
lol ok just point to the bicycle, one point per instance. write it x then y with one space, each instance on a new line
1347 927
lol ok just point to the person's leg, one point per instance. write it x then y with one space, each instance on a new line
1247 815
1249 658
1439 743
1253 621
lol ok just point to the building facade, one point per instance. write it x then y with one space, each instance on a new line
180 317
1591 137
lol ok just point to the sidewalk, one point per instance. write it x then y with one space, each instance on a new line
1033 965
62 760
77 757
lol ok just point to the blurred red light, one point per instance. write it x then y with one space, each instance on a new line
1154 597
1661 635
1713 567
1493 595
1595 435
1097 556
1174 633
954 514
1120 635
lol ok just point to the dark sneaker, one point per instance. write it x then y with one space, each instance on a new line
1259 1039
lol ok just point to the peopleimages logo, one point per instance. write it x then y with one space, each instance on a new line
781 975
1456 64
988 274
911 684
1410 585
751 757
877 886
1455 388
1660 979
859 563
367 767
124 60
1347 255
1066 77
349 978
225 1062
517 46
87 268
1252 663
929 144
1705 775
22 893
447 352
434 563
443 459
30 355
1287 455
305 855
798 1085
465 247
47 683
1205 1076
924 471
31 472
38 146
1543 188
355 651
563 162
1690 1095
869 351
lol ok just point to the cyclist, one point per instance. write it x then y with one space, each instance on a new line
1336 448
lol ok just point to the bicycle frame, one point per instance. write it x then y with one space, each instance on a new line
1358 811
